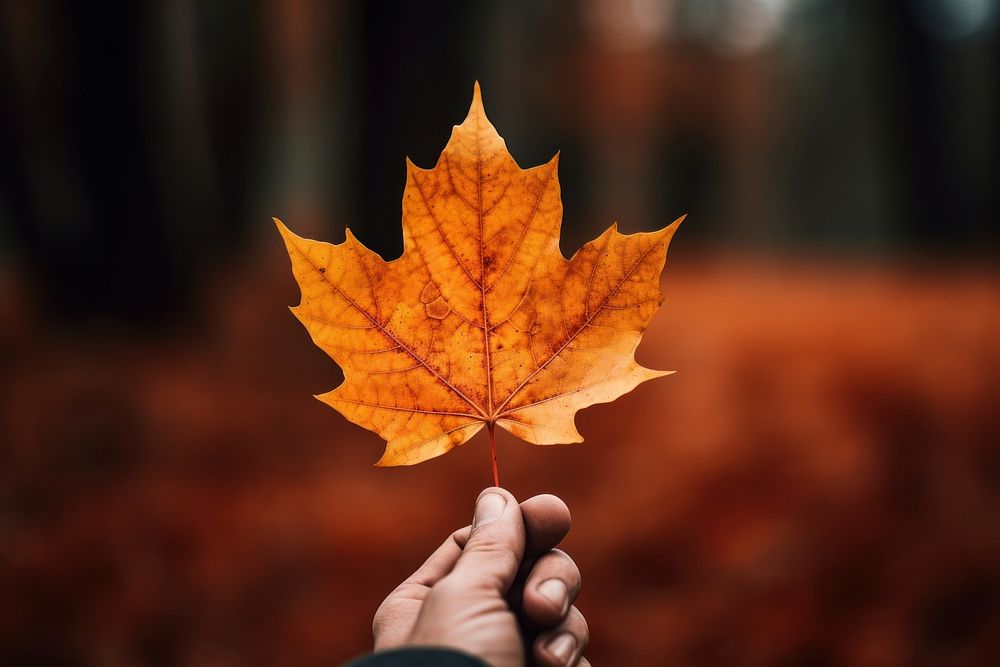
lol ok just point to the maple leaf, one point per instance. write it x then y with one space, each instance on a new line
481 321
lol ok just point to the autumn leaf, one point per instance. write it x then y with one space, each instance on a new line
481 321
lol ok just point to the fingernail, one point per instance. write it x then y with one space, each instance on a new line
562 646
489 507
555 590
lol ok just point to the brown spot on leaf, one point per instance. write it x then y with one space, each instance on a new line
438 308
430 293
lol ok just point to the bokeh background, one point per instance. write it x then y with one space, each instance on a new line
819 484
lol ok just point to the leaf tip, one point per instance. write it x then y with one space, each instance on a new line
476 108
667 233
287 234
412 167
386 460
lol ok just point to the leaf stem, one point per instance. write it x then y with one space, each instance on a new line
493 454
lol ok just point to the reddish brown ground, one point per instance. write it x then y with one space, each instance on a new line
818 485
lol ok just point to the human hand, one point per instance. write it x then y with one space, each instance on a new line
494 589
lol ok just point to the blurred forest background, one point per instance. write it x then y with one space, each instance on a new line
818 485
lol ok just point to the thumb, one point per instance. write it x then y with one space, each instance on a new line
495 548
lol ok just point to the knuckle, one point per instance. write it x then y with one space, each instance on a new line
505 560
565 560
557 502
573 577
495 550
559 564
578 625
559 553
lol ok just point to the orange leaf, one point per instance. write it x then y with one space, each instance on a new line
481 321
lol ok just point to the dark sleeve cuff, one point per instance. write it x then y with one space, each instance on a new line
417 657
